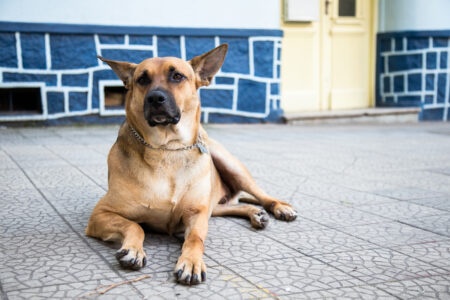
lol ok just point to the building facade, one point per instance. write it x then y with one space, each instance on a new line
286 56
49 68
413 65
349 54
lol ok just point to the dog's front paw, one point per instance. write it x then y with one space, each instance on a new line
131 258
259 219
190 271
284 212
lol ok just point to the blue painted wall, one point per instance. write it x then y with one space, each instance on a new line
413 69
61 60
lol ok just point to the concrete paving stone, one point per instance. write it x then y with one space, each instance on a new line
52 177
22 203
435 253
74 199
78 154
400 210
79 290
388 163
14 179
366 185
101 148
11 136
37 271
284 193
339 194
345 217
224 249
440 170
417 178
380 265
433 287
98 173
294 275
221 283
78 221
391 234
318 242
226 239
407 193
51 245
307 203
76 207
34 132
300 166
442 203
97 134
276 176
6 162
33 156
439 224
73 196
72 193
357 292
40 223
25 163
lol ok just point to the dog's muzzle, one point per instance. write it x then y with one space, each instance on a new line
160 108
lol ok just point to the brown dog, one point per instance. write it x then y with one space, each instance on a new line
164 170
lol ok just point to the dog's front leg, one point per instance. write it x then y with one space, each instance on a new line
190 268
113 227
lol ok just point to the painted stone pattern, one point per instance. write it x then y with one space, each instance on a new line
413 70
63 65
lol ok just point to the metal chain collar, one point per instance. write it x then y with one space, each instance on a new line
199 144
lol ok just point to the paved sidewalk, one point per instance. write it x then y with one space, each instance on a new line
373 203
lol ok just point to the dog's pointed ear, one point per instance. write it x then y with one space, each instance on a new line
124 70
208 64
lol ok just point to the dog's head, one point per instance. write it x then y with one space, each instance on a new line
162 91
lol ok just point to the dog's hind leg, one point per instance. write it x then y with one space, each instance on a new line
258 217
238 178
109 226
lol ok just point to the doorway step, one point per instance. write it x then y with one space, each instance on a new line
366 115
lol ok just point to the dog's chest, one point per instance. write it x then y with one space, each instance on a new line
171 179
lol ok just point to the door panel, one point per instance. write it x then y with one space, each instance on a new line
327 64
299 72
350 55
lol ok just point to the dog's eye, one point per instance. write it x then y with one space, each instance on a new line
143 79
177 77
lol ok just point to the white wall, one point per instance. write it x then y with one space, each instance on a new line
402 15
257 14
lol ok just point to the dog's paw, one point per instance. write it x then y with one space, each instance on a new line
259 219
131 258
190 271
284 212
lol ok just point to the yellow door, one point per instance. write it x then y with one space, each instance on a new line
328 64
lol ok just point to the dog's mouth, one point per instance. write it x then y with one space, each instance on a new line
160 108
163 120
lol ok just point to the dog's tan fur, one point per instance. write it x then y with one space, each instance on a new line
167 184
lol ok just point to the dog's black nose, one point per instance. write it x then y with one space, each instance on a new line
156 97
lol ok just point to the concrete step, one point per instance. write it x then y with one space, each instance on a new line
366 115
